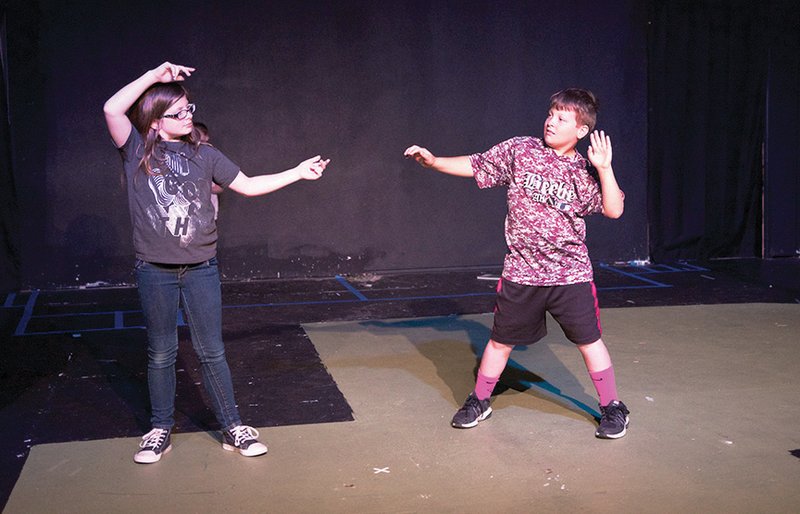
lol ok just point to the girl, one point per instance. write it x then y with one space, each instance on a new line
169 178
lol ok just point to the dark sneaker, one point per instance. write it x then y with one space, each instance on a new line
244 440
614 422
155 443
473 411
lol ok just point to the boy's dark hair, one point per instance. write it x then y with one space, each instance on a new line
581 101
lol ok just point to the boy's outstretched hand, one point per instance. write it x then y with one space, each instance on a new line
421 155
600 150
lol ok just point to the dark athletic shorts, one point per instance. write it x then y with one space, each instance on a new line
519 312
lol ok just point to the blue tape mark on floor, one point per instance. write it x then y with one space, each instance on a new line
10 300
119 324
27 313
347 285
638 273
635 276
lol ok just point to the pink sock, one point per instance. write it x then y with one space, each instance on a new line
606 385
484 386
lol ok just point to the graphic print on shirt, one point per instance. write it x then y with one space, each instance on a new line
550 192
174 212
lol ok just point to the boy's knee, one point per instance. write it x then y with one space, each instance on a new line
500 347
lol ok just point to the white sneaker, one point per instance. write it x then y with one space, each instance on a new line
155 443
243 439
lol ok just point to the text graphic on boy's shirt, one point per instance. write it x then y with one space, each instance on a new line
551 192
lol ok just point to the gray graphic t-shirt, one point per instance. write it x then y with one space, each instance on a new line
171 210
548 197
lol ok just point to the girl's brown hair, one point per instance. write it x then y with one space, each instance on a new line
150 107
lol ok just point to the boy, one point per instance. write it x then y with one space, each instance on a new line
547 268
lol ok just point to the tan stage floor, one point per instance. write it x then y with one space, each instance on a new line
713 390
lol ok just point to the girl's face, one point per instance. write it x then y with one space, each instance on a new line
177 121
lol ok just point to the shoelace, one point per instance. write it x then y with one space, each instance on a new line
473 404
153 438
243 433
615 413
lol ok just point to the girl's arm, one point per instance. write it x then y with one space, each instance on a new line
600 156
459 166
116 107
310 169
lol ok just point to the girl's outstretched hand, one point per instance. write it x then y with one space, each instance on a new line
169 72
599 152
311 169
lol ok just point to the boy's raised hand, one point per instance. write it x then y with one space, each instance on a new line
169 72
421 155
600 150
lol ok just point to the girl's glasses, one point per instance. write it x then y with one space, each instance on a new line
182 114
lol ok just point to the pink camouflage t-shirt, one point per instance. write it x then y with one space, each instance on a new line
548 197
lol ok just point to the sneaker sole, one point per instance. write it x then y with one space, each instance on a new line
247 453
148 459
482 417
615 436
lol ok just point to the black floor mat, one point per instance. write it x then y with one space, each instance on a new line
93 385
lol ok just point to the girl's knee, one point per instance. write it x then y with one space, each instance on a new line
159 360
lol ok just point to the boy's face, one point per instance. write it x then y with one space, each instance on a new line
561 130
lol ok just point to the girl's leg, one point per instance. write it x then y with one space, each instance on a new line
202 302
158 292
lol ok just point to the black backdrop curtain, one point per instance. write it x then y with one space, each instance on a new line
9 254
707 66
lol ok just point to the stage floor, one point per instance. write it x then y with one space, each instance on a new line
352 382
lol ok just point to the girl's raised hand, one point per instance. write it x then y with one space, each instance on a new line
169 72
311 169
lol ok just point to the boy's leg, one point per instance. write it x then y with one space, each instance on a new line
476 408
575 307
614 414
519 318
598 363
493 362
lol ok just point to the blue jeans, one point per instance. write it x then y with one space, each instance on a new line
197 286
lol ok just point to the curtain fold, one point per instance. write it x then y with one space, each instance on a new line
707 68
9 248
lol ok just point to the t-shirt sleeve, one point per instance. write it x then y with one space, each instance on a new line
128 150
224 169
589 195
494 167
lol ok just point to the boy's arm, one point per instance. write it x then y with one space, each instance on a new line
310 169
459 166
116 107
600 156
